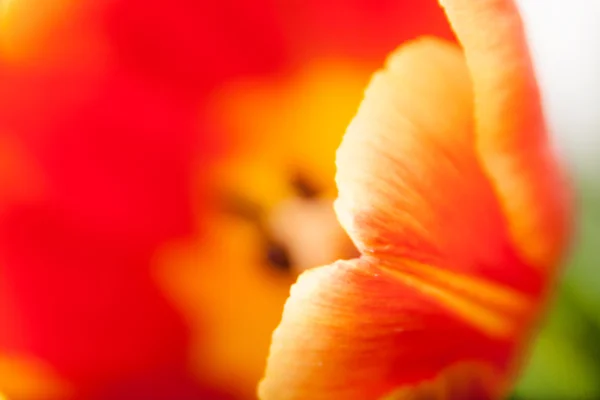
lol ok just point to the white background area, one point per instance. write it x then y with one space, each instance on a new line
564 37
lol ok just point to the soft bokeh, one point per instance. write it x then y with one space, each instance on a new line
166 171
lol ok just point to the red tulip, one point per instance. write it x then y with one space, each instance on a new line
449 189
286 126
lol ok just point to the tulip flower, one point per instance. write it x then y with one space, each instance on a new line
236 276
450 191
279 176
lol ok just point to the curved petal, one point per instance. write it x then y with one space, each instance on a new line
439 286
352 330
511 133
410 184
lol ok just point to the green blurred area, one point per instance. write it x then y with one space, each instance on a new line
565 360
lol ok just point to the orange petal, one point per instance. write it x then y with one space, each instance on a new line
352 330
410 184
511 133
440 286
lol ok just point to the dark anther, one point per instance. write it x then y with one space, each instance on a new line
242 207
278 256
275 253
304 187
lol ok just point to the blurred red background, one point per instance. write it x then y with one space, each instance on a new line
163 169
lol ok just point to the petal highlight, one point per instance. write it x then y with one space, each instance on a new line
352 331
511 134
410 184
425 178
